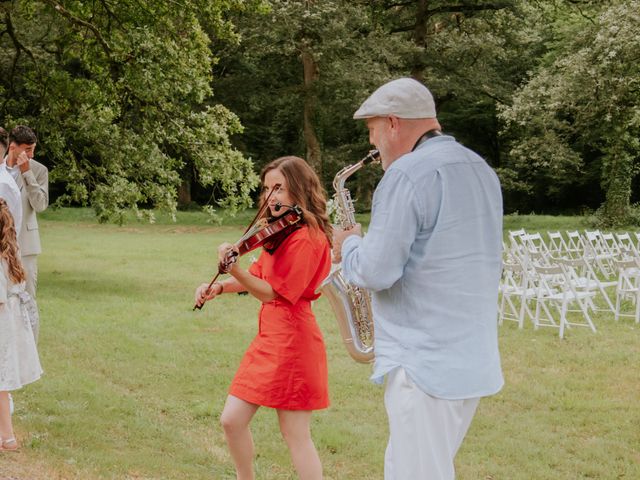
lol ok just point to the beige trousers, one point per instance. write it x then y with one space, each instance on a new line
30 264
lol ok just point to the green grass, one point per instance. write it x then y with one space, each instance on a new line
135 381
544 223
189 217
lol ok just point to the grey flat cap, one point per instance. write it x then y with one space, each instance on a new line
404 98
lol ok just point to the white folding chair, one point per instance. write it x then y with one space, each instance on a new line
515 293
517 242
626 245
610 244
508 253
583 277
554 290
628 288
597 251
557 245
535 243
575 242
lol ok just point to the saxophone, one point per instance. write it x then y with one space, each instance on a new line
351 305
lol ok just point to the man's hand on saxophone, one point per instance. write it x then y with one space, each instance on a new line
339 236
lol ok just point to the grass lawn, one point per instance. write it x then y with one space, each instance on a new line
135 381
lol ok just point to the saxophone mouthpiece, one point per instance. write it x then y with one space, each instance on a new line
372 156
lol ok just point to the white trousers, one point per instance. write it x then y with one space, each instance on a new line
424 432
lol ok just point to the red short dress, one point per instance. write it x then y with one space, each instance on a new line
285 366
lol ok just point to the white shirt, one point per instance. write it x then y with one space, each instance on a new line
14 171
10 192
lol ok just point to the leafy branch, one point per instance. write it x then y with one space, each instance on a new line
78 21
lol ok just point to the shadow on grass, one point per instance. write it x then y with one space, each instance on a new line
74 284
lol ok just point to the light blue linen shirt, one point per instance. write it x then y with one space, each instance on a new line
432 260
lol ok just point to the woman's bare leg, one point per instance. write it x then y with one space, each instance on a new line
235 419
6 427
295 426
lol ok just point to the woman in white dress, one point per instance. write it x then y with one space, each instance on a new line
19 362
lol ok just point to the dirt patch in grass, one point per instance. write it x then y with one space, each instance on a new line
21 466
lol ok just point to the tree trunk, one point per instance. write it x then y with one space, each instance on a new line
618 172
310 70
420 39
184 190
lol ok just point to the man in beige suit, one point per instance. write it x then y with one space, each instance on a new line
32 179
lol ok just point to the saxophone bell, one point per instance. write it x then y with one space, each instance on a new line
351 304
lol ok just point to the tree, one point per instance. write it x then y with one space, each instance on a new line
120 94
472 54
584 104
426 22
303 68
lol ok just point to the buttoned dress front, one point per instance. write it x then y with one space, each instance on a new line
285 366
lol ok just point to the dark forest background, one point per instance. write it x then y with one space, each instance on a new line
178 103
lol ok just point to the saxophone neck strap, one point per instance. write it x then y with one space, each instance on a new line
426 136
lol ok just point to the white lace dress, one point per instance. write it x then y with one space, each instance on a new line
19 362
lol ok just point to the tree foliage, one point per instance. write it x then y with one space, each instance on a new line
583 107
469 53
136 100
472 54
303 68
121 92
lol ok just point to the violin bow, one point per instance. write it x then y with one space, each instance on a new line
261 210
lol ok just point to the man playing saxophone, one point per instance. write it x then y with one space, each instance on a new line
431 259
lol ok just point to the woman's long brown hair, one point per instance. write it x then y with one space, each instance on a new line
9 244
305 191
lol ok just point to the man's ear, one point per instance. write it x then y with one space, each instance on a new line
394 124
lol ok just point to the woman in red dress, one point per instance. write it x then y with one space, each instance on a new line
285 367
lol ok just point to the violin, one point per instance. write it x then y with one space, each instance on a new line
260 233
266 232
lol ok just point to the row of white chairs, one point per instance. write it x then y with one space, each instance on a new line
560 281
599 248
